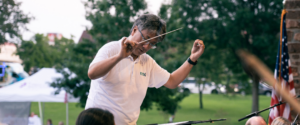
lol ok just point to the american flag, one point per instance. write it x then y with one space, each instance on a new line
284 75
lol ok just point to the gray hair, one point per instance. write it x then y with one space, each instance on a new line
280 121
152 23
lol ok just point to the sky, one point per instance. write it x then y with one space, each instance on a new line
63 16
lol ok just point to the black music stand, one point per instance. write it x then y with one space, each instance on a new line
190 122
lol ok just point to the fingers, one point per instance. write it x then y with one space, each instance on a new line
128 42
199 43
123 41
129 45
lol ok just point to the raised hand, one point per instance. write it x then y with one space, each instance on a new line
127 47
197 50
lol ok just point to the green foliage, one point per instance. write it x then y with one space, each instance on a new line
38 53
109 27
251 25
62 50
12 20
176 47
166 100
75 80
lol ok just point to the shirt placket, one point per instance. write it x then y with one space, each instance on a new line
133 69
132 74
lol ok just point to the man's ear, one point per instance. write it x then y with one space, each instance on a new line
133 31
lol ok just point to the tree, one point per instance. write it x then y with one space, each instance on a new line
251 25
176 47
78 63
111 18
12 20
38 53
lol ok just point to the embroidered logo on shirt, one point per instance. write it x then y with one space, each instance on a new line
143 74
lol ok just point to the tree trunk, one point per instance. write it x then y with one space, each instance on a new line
201 104
250 72
255 94
228 90
200 97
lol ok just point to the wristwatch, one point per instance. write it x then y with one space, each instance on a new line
191 62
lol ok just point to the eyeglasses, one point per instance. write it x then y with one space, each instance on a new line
153 46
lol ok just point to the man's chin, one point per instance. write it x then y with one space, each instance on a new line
137 53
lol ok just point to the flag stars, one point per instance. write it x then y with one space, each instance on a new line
282 65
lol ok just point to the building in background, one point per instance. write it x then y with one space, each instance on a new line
8 53
86 35
52 36
293 37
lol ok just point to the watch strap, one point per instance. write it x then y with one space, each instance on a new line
191 62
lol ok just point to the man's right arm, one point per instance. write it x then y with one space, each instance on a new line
99 69
102 67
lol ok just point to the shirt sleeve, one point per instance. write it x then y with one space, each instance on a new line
159 76
103 53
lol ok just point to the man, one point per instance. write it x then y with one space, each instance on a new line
34 119
121 74
256 120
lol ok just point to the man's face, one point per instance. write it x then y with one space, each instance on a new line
137 36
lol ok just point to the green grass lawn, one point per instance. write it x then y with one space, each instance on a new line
57 112
215 107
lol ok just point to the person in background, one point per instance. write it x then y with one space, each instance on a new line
49 122
95 116
34 119
61 123
280 121
256 120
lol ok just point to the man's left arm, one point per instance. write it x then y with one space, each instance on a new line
181 73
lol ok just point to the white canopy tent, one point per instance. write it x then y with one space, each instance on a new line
36 88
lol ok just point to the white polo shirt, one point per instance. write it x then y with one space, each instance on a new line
122 90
